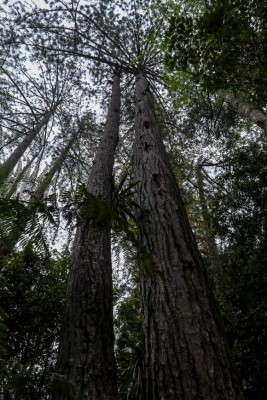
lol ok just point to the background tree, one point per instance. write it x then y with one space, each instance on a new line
9 241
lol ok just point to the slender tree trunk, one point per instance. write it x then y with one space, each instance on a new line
19 178
209 236
8 243
247 110
86 353
185 354
43 186
7 167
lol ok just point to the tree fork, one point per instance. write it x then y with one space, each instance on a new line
185 354
86 352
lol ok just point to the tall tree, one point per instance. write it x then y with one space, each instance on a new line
7 167
209 231
33 105
19 177
7 243
185 354
86 352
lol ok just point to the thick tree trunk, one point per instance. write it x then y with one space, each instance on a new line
7 167
247 110
8 243
86 353
185 354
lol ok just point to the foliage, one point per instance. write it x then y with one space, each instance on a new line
244 314
129 342
120 217
2 331
32 299
240 210
239 219
20 221
221 47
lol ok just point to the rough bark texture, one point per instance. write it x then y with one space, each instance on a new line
86 354
10 163
185 354
8 243
247 110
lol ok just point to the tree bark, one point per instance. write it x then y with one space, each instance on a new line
7 167
247 110
86 352
185 354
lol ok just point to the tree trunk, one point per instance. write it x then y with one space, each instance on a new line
185 354
86 353
8 243
7 167
209 236
43 186
19 178
247 110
